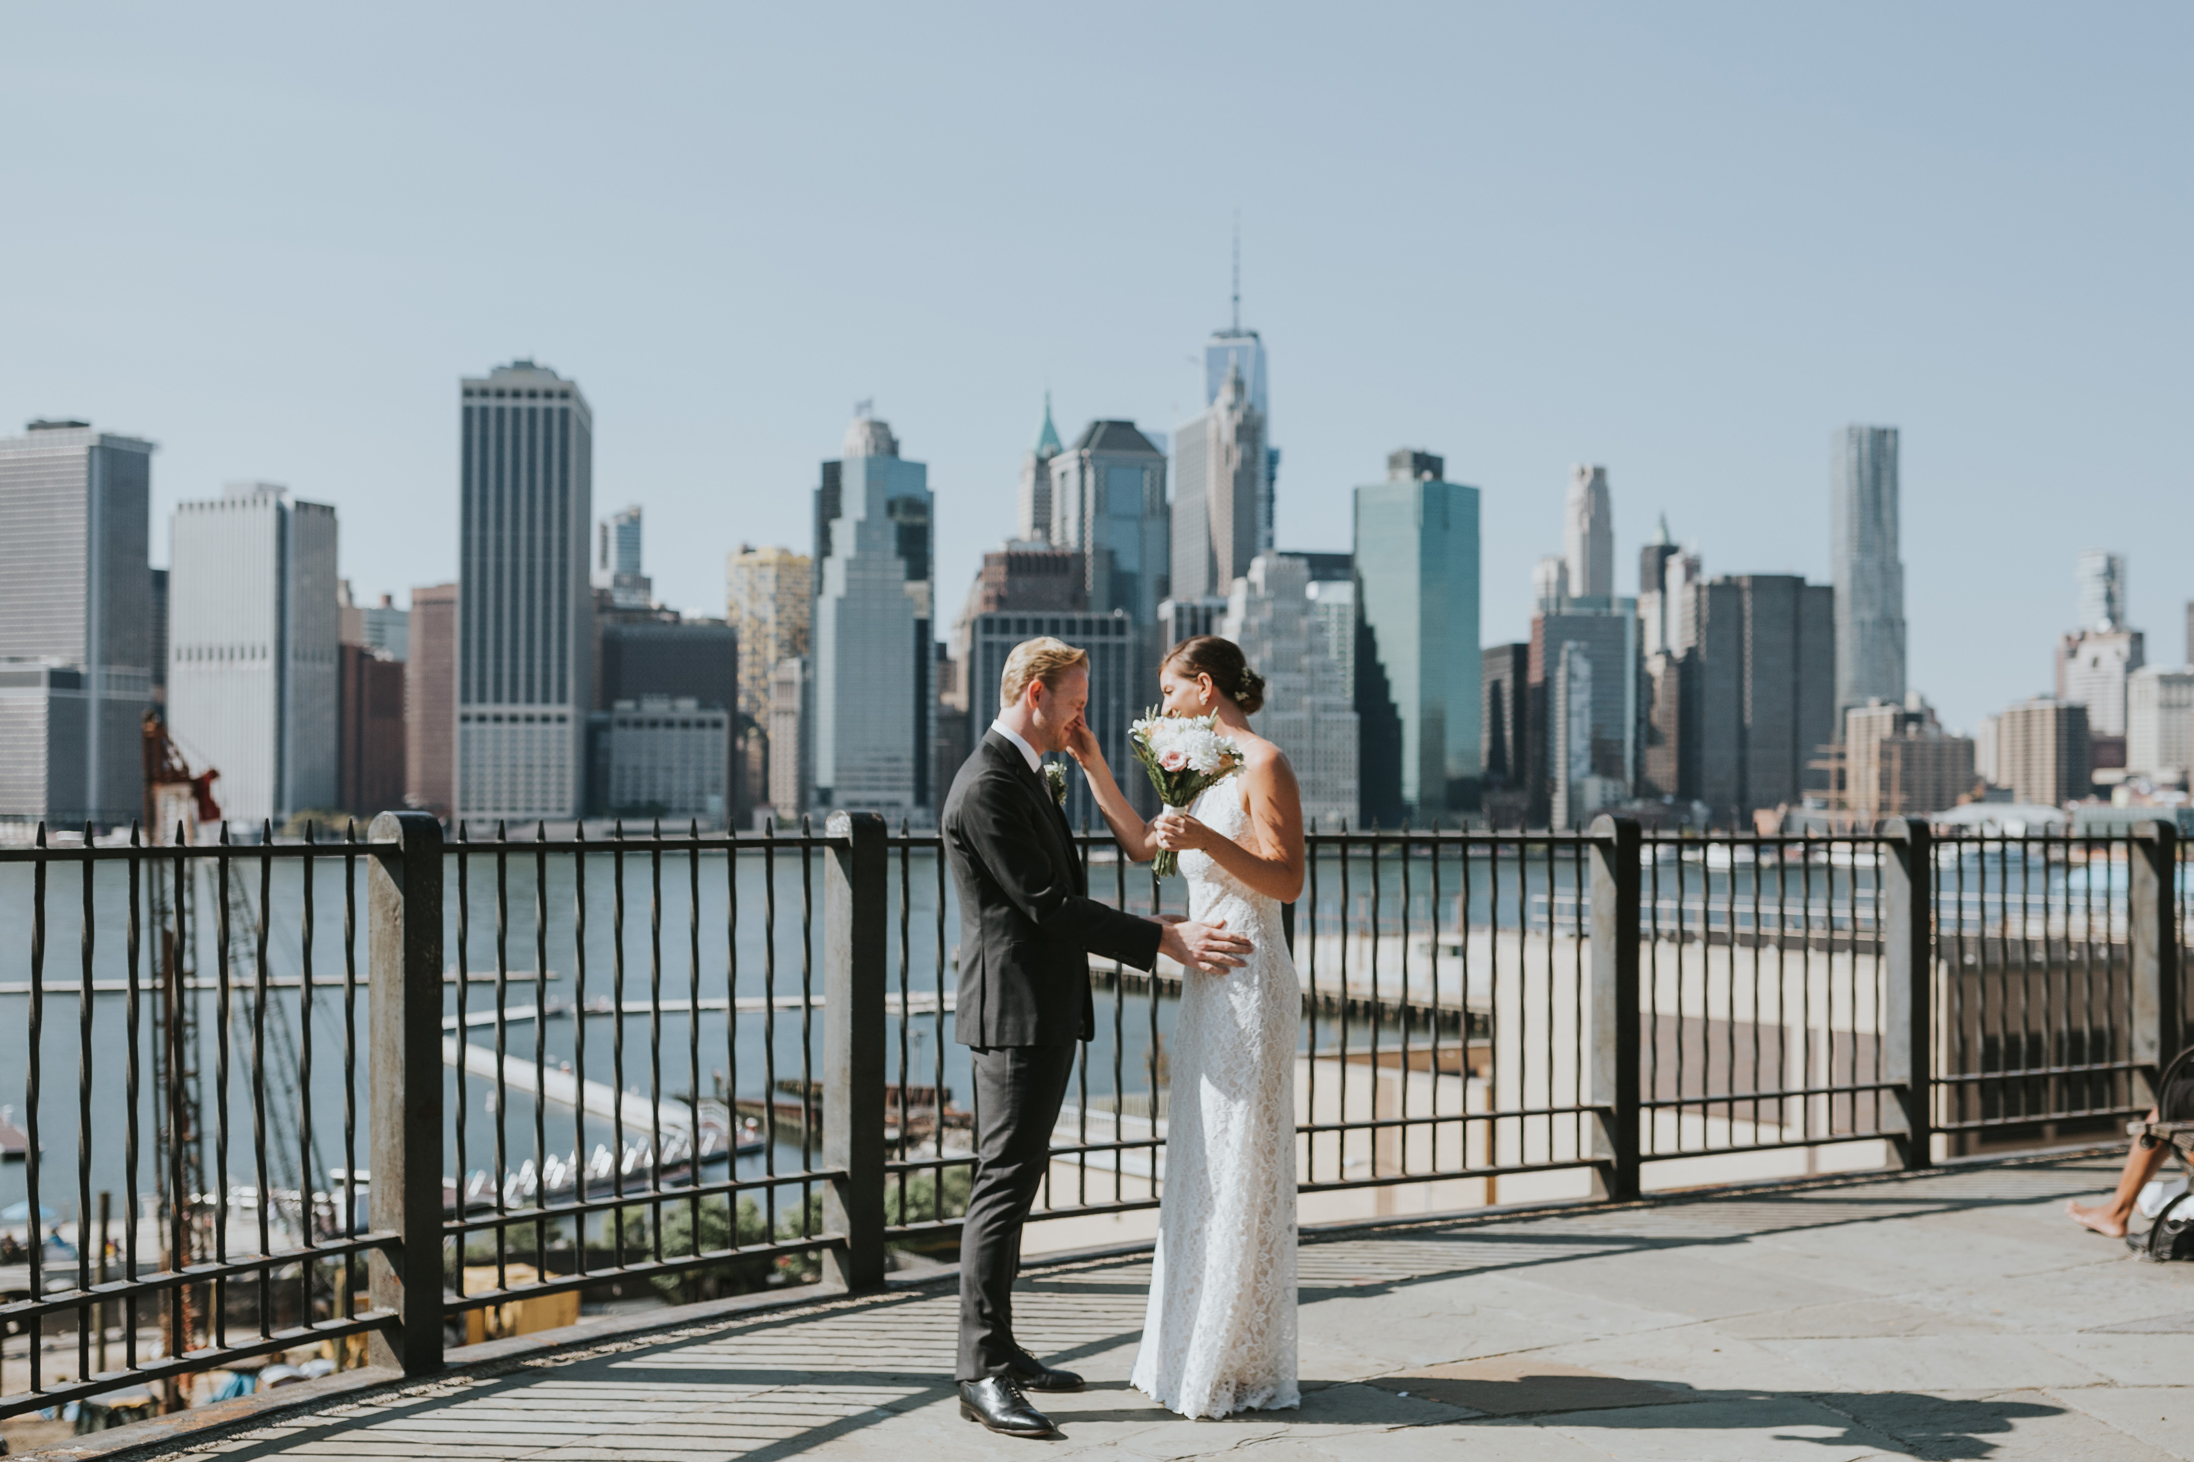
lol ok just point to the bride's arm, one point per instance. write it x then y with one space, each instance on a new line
1132 832
1270 860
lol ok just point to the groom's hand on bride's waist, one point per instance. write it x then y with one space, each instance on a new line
1206 947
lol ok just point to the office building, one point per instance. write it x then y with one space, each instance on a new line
871 699
1667 622
620 538
1218 493
2092 670
769 597
254 637
45 709
1117 691
1579 791
379 626
370 757
1505 732
1736 712
2159 724
661 657
693 659
1333 619
1867 573
1108 503
430 700
1034 524
1237 352
2042 751
790 780
1027 576
1184 619
1661 726
1309 710
1681 572
1984 749
617 563
663 758
951 736
1549 583
1601 634
76 594
1418 664
1653 599
2100 577
1024 577
1588 534
1900 763
525 654
160 637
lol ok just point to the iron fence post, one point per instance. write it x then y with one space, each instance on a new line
1613 1032
1907 939
404 1027
2153 910
855 924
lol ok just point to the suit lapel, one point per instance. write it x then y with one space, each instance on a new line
1054 815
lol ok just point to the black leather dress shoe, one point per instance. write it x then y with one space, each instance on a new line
1033 1375
997 1403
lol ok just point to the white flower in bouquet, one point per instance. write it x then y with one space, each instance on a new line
1184 756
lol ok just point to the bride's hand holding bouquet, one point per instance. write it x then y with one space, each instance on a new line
1184 757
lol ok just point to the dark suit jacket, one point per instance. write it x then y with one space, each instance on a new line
1027 923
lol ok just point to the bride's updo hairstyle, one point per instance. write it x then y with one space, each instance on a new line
1222 660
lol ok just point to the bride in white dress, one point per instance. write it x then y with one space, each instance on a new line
1220 1332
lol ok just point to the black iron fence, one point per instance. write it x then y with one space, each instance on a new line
380 1092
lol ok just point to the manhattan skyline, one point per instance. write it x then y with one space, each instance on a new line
1522 240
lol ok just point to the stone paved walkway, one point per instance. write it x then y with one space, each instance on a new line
1952 1316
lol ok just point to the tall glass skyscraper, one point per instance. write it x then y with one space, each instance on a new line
1238 351
1868 574
873 695
76 604
1108 503
2101 579
1418 665
1219 493
525 654
253 647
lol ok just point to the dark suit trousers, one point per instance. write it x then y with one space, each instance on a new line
1018 1090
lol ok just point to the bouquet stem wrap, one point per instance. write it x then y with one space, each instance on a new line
1184 756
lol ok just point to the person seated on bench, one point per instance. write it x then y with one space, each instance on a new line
2141 1163
2110 1219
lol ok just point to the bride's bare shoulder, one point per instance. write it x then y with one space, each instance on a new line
1261 759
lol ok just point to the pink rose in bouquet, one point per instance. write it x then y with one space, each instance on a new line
1184 756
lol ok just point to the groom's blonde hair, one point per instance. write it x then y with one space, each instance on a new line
1043 658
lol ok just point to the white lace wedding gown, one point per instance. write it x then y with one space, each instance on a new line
1220 1332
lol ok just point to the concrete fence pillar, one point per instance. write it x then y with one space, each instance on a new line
404 1100
1907 935
1613 1035
856 924
2152 906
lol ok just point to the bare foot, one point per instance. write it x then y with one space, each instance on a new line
2098 1217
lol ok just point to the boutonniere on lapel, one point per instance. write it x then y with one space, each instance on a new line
1055 781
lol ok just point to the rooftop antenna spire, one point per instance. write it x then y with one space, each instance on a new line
1237 271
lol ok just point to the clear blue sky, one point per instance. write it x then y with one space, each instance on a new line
1686 241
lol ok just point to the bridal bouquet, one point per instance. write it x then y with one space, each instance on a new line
1184 755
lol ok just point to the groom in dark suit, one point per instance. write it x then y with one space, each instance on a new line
1027 930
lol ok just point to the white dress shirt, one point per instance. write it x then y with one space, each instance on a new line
1028 752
